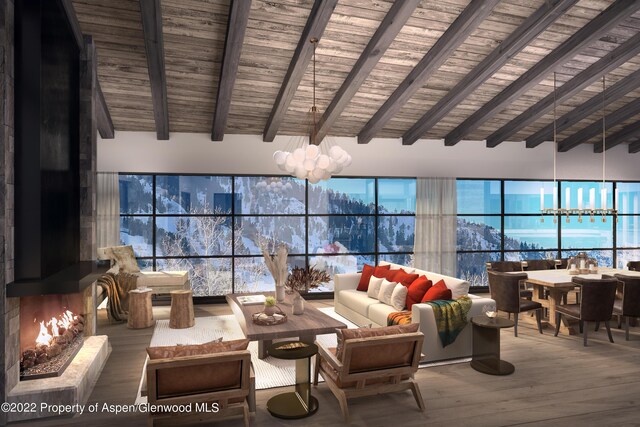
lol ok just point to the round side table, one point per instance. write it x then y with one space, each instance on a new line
140 309
486 345
298 403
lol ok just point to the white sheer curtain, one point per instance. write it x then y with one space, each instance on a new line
108 207
435 236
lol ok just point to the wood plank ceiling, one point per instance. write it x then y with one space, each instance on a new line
194 34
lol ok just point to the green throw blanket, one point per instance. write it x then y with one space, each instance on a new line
451 317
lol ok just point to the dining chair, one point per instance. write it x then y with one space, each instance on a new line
505 291
633 265
595 304
629 306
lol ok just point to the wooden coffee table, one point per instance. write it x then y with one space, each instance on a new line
305 326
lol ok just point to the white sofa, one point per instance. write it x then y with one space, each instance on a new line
357 307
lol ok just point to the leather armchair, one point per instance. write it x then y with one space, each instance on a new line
220 378
370 366
505 290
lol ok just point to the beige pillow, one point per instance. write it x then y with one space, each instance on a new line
125 258
399 297
386 289
374 287
168 352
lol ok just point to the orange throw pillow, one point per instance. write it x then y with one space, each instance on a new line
367 272
439 291
417 290
401 276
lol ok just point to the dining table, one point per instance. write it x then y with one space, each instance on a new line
549 287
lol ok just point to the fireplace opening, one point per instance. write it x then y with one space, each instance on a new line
52 329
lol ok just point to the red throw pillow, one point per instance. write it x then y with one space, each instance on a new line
417 289
367 272
401 276
438 291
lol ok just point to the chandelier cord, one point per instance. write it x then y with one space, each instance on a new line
604 142
555 137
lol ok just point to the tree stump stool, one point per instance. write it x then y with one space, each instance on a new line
181 310
140 310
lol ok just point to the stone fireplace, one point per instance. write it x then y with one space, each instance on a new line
59 328
52 331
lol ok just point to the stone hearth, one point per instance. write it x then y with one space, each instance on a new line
71 388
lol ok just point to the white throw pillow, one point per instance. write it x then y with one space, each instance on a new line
399 297
374 287
386 289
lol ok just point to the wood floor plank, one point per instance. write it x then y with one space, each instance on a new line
557 381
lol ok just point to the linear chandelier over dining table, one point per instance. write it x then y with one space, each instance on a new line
590 210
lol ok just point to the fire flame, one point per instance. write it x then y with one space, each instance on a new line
51 329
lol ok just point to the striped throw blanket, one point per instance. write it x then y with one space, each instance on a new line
450 315
117 287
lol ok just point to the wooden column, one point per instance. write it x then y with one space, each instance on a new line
181 310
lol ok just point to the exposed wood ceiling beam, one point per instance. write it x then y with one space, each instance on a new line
607 63
626 134
105 124
595 128
314 28
600 25
72 19
453 37
236 28
386 33
151 13
617 91
634 147
535 24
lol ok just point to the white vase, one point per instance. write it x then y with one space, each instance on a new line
269 310
280 293
298 304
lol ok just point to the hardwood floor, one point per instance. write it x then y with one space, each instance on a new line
557 382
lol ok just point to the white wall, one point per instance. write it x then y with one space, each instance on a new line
247 154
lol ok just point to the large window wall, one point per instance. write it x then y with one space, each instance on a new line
500 220
213 226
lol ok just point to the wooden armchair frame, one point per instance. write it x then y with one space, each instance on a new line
222 397
394 375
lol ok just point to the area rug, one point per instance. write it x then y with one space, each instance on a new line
269 372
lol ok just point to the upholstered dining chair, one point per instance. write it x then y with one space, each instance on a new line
505 290
629 306
633 265
595 304
538 264
504 266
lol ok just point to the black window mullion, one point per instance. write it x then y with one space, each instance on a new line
154 215
153 222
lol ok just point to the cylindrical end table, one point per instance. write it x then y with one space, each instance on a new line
298 403
181 316
140 309
486 345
